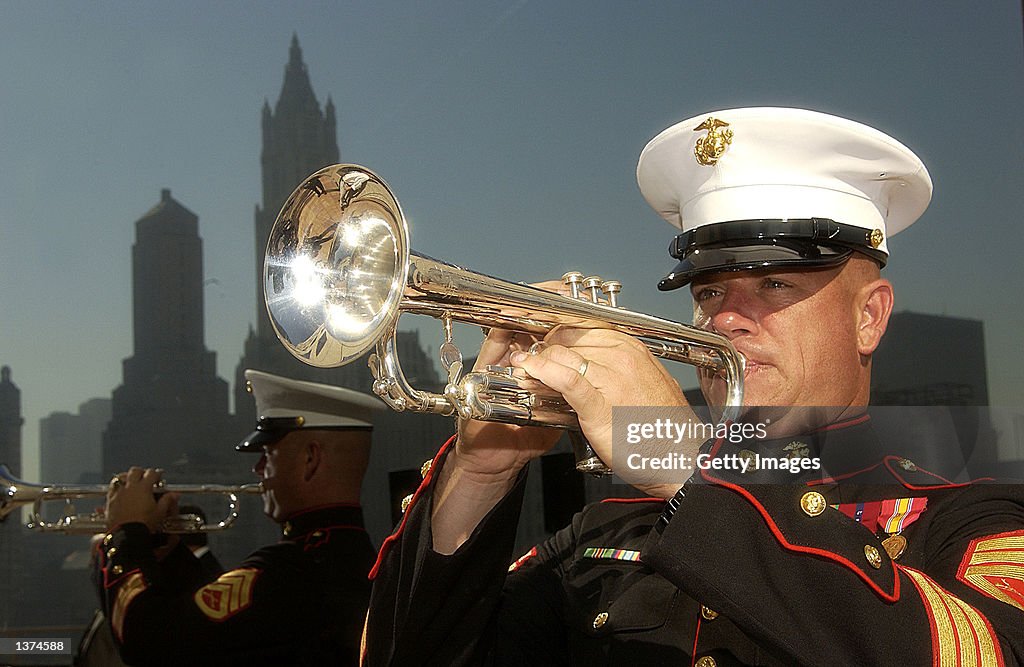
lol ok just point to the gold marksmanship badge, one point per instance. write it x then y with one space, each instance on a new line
712 145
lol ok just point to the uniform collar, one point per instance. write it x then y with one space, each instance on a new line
326 517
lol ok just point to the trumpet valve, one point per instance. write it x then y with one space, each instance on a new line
611 289
572 280
592 284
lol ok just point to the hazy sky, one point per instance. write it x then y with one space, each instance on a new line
508 130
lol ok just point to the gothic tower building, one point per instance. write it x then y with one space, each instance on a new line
298 138
171 407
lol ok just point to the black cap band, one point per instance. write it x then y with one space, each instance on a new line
741 245
271 429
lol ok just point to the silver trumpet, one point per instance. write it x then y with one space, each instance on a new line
16 493
339 272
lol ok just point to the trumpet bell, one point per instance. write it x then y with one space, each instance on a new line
336 264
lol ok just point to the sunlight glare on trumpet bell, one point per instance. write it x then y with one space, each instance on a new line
341 320
309 288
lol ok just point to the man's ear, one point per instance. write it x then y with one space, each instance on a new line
874 307
314 456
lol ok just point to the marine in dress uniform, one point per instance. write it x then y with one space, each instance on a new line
867 560
301 601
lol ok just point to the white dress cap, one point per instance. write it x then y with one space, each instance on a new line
846 187
319 405
283 405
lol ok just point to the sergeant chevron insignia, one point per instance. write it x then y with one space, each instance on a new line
228 595
961 635
994 566
132 586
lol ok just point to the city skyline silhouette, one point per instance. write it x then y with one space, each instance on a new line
509 133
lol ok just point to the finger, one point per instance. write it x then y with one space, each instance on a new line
167 505
579 337
565 380
586 366
497 346
599 344
494 347
556 286
152 476
134 474
522 341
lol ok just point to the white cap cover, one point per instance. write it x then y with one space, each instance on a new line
283 404
778 165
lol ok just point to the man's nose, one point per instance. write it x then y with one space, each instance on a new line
260 465
736 315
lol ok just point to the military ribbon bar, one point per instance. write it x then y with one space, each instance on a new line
864 513
613 554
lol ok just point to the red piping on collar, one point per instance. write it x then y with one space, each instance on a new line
946 484
405 515
839 478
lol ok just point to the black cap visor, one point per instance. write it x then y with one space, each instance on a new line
270 430
745 245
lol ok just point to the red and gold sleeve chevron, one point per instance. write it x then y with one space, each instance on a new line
230 594
994 566
133 584
961 635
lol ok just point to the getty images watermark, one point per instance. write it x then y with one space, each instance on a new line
665 443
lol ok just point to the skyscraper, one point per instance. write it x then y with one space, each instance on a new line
11 531
10 422
171 407
298 139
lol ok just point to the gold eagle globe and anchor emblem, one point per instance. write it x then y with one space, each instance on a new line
711 146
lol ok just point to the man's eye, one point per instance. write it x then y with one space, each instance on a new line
705 293
771 283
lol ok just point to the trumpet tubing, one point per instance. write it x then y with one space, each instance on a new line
339 273
16 493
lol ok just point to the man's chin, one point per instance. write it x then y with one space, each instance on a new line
269 509
754 394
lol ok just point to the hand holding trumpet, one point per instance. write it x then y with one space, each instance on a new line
593 369
131 499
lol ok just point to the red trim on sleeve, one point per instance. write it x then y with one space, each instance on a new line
405 515
109 582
